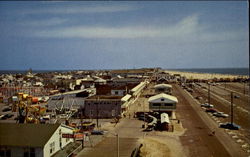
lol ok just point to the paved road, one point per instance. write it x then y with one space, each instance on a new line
197 139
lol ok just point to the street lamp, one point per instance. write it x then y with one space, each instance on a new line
232 98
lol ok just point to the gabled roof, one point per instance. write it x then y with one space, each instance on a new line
26 135
166 98
163 86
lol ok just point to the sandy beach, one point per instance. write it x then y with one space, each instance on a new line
193 75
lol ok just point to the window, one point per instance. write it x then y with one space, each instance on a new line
162 99
52 147
67 139
26 152
5 152
32 152
116 92
156 104
168 104
91 112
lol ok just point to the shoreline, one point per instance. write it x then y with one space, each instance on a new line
205 76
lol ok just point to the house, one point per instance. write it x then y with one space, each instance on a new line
103 106
163 88
32 140
163 103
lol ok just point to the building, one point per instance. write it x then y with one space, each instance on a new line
126 101
163 103
163 88
32 140
136 91
103 106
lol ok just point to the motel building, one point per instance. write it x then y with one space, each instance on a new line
163 88
163 103
32 140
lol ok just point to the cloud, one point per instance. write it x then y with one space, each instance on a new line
184 27
44 22
187 29
81 9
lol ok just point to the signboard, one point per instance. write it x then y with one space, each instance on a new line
67 135
77 136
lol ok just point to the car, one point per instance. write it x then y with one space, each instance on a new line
6 116
212 110
207 105
6 109
9 115
230 126
1 116
220 114
97 132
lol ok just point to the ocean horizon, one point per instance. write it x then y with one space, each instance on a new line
230 71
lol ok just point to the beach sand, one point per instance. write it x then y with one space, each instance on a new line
205 76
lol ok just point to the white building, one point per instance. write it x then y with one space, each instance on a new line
163 88
32 140
163 103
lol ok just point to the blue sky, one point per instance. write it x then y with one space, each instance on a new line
115 35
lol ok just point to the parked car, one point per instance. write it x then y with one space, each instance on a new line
9 115
220 114
212 110
6 109
6 116
1 116
207 105
97 132
230 126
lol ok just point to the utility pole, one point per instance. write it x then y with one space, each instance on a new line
208 93
244 88
97 112
231 107
232 98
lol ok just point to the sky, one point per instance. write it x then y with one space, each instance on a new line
63 35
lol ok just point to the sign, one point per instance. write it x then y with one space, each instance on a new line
79 136
67 135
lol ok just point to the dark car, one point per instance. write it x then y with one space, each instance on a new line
212 110
6 116
230 126
97 132
9 115
6 109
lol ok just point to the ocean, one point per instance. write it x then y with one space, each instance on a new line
230 71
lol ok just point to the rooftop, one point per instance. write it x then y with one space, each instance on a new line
167 98
26 135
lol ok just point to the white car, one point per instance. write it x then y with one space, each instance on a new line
207 105
220 114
